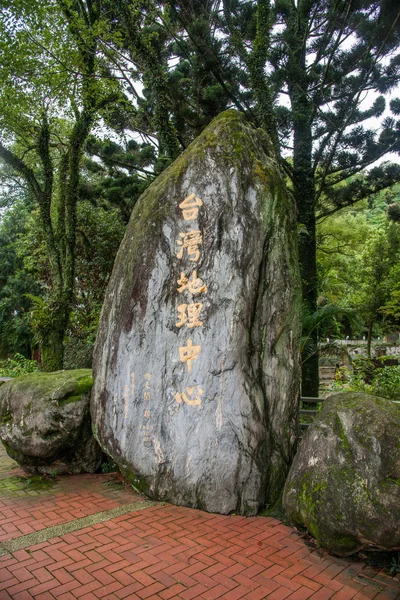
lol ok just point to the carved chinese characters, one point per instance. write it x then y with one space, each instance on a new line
195 366
189 314
190 242
190 207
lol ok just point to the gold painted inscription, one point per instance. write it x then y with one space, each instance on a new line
191 396
190 242
189 315
189 353
194 285
190 207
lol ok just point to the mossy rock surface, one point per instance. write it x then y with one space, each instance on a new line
45 422
344 483
218 433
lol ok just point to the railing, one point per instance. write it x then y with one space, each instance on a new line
308 412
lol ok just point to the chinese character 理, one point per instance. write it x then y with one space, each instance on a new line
189 353
189 314
187 396
190 207
194 285
190 241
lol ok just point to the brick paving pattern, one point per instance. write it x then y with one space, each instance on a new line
160 552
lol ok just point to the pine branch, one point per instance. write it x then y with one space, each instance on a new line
20 167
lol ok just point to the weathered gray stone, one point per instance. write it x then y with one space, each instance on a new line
217 432
344 483
45 422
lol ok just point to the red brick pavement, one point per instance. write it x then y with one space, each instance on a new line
24 510
164 552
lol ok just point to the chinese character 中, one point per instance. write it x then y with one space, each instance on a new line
189 314
190 241
196 401
194 285
190 207
189 353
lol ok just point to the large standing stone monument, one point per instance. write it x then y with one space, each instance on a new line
196 362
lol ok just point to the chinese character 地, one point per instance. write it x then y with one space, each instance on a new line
190 207
194 285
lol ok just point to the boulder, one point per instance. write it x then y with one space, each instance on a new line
45 422
344 483
196 370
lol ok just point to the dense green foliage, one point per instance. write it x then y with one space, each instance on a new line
18 365
383 382
358 267
96 98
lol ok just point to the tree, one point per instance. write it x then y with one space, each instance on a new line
301 71
15 283
373 276
52 93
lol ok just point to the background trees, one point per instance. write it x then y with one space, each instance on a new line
312 73
52 95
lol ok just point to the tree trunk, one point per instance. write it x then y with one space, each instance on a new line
308 270
303 178
52 349
52 333
369 339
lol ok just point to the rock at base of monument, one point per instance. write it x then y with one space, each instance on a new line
344 483
45 422
196 370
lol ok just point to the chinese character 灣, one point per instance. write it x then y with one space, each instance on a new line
194 285
189 353
191 242
183 396
190 207
189 314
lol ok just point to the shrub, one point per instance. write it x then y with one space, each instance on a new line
18 365
383 382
